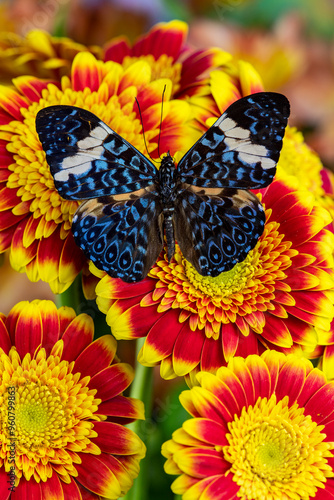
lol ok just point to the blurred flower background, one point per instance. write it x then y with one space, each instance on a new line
290 43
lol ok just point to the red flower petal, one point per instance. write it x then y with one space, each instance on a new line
164 38
201 462
316 407
276 331
85 72
212 354
291 380
71 260
5 342
94 475
239 368
52 488
187 350
222 488
11 102
313 382
121 408
260 375
26 490
111 381
28 334
95 357
50 324
161 337
77 336
131 323
116 439
117 50
31 87
72 491
206 430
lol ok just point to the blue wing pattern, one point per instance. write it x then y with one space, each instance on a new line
242 147
216 228
122 236
87 158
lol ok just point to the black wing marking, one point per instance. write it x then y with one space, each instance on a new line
216 228
122 235
87 158
242 147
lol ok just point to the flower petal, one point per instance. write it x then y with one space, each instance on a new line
77 336
97 356
94 475
116 439
112 380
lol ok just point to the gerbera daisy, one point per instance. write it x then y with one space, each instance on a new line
165 50
62 412
38 54
280 295
262 427
35 221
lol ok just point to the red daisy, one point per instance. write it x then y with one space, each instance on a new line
62 409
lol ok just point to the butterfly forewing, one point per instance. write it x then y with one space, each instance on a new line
242 147
216 228
122 236
88 159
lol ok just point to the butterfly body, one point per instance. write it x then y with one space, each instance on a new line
203 203
168 192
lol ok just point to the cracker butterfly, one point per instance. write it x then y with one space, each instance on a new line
204 203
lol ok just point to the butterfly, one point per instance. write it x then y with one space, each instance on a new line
204 203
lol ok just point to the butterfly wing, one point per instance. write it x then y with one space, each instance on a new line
88 159
216 228
242 147
122 235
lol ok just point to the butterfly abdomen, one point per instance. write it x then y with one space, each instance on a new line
167 188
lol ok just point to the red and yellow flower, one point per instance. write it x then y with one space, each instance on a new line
35 221
279 296
262 427
165 50
62 407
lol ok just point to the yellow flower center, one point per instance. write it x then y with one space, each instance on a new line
163 67
277 452
40 416
226 284
44 408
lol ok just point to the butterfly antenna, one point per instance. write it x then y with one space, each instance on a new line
162 109
143 131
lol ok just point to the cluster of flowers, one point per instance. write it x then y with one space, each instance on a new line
263 416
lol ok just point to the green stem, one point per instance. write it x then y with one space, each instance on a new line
141 388
73 296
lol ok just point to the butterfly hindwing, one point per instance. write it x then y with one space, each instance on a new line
216 228
87 158
242 147
122 236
